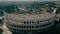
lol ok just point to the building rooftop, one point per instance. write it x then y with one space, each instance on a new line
27 17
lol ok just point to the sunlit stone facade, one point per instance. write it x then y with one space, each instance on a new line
26 23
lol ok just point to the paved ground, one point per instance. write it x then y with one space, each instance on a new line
5 29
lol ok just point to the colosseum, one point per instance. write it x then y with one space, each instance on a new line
26 23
